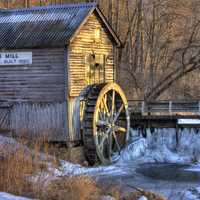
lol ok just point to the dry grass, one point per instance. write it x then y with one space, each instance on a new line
17 168
75 188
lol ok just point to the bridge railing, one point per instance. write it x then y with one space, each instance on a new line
165 107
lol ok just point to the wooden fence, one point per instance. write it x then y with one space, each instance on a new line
165 107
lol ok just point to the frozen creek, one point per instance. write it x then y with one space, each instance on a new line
158 164
155 163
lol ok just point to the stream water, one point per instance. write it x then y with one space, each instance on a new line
169 180
158 164
170 172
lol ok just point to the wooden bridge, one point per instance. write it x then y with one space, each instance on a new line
165 114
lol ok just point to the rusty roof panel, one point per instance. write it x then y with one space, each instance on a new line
49 26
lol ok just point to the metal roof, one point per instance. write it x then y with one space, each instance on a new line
47 26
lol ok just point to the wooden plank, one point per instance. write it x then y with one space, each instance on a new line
39 120
41 81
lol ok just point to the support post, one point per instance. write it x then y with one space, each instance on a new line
143 107
170 107
177 134
199 108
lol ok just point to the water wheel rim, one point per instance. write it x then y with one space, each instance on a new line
116 90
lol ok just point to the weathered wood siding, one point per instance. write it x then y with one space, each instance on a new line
39 120
43 81
84 44
5 113
37 92
74 119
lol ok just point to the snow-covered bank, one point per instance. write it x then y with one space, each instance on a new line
6 196
68 168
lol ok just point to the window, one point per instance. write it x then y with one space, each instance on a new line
97 35
95 68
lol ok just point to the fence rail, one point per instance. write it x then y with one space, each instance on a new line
165 107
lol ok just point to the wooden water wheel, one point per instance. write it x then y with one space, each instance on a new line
105 123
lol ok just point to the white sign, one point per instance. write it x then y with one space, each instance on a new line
16 58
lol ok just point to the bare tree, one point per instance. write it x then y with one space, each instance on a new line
159 43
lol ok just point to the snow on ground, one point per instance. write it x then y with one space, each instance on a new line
6 196
193 168
68 168
188 121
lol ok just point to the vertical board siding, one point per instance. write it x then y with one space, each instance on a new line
74 119
5 118
42 81
84 44
37 92
36 120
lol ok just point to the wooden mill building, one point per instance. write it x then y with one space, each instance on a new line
48 55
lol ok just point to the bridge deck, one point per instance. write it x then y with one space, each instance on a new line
165 114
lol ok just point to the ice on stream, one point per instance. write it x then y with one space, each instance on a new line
161 146
158 147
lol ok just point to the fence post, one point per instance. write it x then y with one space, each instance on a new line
199 108
143 107
170 107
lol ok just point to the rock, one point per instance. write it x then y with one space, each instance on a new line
107 198
143 198
76 155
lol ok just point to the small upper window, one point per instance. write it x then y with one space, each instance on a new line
97 34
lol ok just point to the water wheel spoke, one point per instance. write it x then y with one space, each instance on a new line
103 139
118 113
101 112
120 129
101 115
110 145
117 143
113 104
105 105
